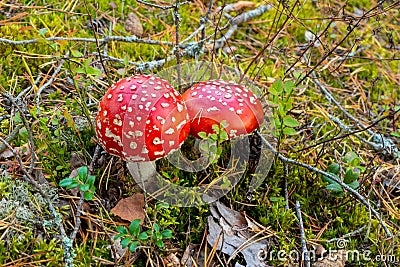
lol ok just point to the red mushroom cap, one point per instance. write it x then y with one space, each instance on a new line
142 118
212 102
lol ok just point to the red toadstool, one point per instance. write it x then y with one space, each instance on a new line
142 118
211 102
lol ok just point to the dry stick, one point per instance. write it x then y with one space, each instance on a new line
48 83
304 249
107 39
330 176
285 189
28 129
66 242
10 137
177 5
177 43
381 142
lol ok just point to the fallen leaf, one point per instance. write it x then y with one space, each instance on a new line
130 208
228 232
133 25
172 261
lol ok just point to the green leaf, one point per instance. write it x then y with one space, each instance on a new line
125 242
288 86
118 236
66 182
133 246
162 205
329 180
143 236
159 243
156 228
351 175
289 131
134 227
335 187
76 53
354 185
291 122
350 157
43 31
223 135
92 71
90 180
73 184
281 109
213 137
202 135
215 127
166 234
333 168
88 195
84 187
122 229
276 88
17 118
83 172
395 134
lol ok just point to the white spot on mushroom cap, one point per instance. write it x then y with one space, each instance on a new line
170 131
239 111
133 145
171 143
134 97
165 105
159 153
120 97
139 118
213 109
133 87
158 141
180 125
179 107
131 123
109 96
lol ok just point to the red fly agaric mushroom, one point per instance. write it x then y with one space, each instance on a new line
211 102
142 118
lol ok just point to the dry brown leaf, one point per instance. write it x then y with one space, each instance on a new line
172 261
130 208
133 24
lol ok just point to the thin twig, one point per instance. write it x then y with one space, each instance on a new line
304 253
48 83
27 126
10 137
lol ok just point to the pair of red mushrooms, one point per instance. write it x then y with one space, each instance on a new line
143 118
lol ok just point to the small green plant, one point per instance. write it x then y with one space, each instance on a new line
132 236
83 181
211 143
352 173
281 100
